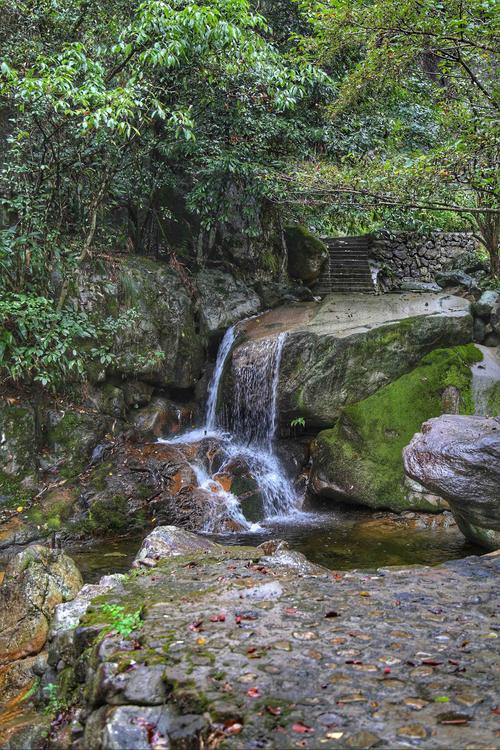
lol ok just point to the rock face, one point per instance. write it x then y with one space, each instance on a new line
307 254
164 322
459 458
349 347
18 462
224 300
360 459
36 581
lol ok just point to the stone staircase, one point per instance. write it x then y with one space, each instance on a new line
347 269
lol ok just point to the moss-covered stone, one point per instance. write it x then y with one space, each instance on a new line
306 253
71 438
360 459
18 442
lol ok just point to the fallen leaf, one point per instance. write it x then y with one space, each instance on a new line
253 692
331 614
274 710
196 626
201 641
364 593
302 728
218 618
441 699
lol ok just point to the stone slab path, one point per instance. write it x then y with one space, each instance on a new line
237 650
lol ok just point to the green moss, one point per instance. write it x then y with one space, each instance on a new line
493 406
364 449
110 517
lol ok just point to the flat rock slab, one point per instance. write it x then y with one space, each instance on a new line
342 315
256 656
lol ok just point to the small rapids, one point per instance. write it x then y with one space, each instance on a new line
246 431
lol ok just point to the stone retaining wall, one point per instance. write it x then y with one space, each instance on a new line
413 256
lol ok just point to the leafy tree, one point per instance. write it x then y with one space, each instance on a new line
426 70
152 108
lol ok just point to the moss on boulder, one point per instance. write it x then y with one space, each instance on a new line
18 461
306 253
360 459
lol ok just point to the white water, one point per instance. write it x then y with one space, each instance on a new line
254 423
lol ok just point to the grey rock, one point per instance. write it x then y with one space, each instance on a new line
18 462
458 458
224 300
479 330
486 304
137 393
169 541
127 728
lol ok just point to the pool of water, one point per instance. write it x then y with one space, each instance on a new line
340 540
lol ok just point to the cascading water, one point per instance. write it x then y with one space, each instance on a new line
252 427
213 389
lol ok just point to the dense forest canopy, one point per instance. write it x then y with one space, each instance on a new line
132 126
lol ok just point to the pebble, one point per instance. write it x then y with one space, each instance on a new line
362 740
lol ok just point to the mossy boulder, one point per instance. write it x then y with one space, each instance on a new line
327 365
18 441
360 459
160 340
71 438
307 254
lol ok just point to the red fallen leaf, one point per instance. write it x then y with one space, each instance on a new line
431 662
253 692
291 611
397 602
354 661
274 710
454 721
332 613
237 620
251 650
218 618
302 728
231 726
196 626
387 670
495 711
454 662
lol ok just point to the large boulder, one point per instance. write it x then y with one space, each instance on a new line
71 438
18 461
159 340
347 348
360 460
459 458
169 541
36 581
224 300
307 254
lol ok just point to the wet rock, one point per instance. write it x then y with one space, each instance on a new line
163 325
156 419
495 319
169 541
458 457
246 647
36 581
479 330
307 254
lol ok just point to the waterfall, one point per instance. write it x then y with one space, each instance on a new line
213 388
251 425
256 372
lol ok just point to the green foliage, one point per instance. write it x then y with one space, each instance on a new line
122 622
54 703
41 344
417 112
298 422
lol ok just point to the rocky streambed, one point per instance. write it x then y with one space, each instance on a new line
202 645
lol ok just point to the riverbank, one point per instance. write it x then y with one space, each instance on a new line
242 648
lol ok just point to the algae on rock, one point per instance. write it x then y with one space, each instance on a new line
360 459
